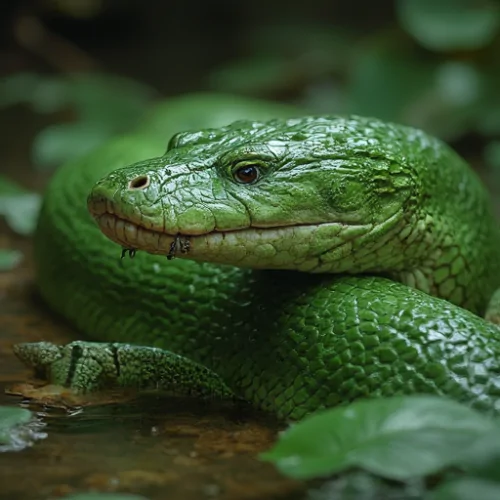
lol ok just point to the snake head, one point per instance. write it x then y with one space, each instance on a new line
312 194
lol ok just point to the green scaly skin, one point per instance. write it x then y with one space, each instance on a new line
379 215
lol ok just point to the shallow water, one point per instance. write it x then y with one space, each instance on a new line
154 445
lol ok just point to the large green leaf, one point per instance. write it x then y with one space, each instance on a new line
446 25
397 438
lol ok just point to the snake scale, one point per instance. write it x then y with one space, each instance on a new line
295 262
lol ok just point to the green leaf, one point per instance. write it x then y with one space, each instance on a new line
18 206
447 25
450 103
467 488
44 94
396 438
104 105
458 83
58 144
9 418
18 429
483 457
385 82
114 100
9 259
21 211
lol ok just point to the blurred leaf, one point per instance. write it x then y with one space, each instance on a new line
44 93
57 144
10 416
111 99
207 110
451 103
467 488
483 458
458 83
21 211
104 105
9 259
447 25
492 155
18 206
18 429
396 438
384 82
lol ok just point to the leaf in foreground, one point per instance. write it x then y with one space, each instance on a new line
396 438
18 429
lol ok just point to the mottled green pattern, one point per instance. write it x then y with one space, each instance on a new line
91 366
294 342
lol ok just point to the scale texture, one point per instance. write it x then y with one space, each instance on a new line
391 229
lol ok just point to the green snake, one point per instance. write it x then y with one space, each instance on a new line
294 262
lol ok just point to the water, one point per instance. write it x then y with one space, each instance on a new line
157 446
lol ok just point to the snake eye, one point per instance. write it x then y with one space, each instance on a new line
247 174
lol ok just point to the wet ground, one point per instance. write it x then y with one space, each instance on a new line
157 446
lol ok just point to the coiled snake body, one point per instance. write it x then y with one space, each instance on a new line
318 260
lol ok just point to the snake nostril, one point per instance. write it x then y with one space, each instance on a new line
140 182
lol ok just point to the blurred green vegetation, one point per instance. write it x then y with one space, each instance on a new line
432 64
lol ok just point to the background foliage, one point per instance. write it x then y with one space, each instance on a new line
429 63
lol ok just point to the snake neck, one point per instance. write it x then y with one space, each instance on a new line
464 272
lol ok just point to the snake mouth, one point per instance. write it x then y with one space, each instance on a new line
258 248
301 247
132 236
